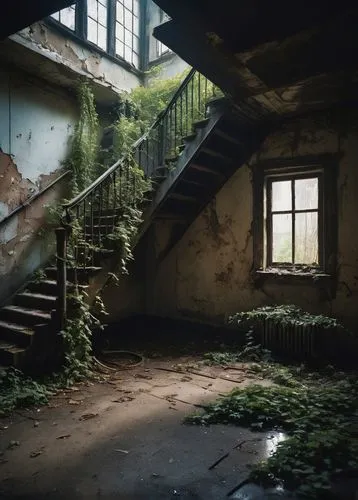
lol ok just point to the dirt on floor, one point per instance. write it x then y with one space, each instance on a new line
124 437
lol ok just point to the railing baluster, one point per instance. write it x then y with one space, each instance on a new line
186 111
92 232
118 185
84 242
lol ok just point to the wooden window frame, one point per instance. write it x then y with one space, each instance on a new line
301 173
325 166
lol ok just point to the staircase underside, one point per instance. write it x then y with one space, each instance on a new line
269 56
218 147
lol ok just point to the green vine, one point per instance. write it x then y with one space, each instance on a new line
83 157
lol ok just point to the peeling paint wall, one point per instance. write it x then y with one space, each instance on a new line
75 57
35 132
208 273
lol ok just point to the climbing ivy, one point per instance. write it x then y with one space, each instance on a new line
83 157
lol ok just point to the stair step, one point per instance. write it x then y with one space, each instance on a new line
36 300
228 137
49 287
201 123
203 168
20 334
182 197
83 273
24 316
11 355
189 138
218 155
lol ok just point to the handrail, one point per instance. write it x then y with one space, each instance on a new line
33 198
77 199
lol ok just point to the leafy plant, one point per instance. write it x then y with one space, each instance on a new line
318 411
289 315
18 391
84 151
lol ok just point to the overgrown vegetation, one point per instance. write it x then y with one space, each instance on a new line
318 410
18 391
288 315
84 151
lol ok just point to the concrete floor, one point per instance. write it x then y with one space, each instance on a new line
124 438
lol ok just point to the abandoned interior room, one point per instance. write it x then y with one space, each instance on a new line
178 250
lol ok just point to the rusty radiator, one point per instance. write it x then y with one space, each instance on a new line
293 340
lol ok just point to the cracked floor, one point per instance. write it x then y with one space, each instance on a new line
124 437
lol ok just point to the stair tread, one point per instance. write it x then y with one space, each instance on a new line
13 348
88 268
28 311
16 326
38 296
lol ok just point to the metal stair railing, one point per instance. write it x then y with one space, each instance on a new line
93 214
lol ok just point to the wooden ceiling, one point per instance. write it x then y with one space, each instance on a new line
277 57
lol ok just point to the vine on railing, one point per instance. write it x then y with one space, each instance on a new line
98 214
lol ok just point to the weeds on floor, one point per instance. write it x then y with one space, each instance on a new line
251 351
19 391
319 411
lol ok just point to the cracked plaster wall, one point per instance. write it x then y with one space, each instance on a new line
35 131
207 275
76 57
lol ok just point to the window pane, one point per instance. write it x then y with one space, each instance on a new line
68 17
119 32
136 25
306 238
136 7
136 60
92 8
91 30
102 15
119 48
136 44
56 16
306 193
102 37
128 54
128 4
128 19
281 196
282 238
128 37
120 13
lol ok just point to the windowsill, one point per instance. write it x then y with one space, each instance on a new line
289 275
52 23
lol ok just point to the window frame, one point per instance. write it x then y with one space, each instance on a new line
80 32
300 173
326 166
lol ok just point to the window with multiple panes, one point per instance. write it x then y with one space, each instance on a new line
293 220
295 214
97 23
112 25
127 31
67 17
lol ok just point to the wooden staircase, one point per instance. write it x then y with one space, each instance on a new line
187 156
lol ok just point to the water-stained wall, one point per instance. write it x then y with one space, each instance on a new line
208 274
